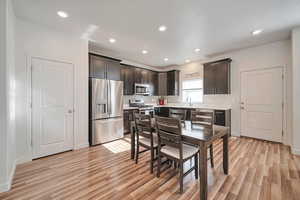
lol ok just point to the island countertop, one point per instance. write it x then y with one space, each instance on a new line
183 106
195 106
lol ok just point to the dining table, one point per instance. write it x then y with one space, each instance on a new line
203 138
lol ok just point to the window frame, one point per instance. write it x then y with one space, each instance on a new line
200 89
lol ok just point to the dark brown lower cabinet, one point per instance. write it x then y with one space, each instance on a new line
162 111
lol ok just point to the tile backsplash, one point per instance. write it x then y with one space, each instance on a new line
147 99
207 99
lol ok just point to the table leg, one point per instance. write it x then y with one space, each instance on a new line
132 140
203 171
225 154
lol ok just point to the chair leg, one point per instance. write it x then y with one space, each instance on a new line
196 166
158 164
181 176
152 160
211 152
137 153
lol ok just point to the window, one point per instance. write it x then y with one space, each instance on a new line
192 89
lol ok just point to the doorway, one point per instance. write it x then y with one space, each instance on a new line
262 104
52 103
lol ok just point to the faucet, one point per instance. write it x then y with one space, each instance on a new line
189 100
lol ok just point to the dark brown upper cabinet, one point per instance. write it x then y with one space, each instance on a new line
162 84
153 76
97 67
113 70
173 83
168 83
104 67
217 77
128 77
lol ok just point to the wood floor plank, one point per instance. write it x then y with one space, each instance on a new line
258 170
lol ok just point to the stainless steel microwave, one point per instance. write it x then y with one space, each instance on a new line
142 89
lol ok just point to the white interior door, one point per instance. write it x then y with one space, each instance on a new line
262 104
52 107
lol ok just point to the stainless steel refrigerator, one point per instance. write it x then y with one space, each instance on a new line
106 110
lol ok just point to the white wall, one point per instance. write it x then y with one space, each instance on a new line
7 93
39 41
296 90
265 56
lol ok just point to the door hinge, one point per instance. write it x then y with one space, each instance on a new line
282 104
282 132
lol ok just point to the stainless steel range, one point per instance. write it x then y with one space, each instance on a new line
143 108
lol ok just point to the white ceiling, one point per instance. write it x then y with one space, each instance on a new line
214 26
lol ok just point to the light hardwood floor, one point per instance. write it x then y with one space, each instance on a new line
258 170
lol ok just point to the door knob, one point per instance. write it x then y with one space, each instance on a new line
242 107
70 111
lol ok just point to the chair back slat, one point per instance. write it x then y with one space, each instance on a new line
169 132
203 118
143 125
177 113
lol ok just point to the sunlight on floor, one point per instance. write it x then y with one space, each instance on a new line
117 146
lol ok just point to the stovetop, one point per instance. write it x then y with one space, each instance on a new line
141 105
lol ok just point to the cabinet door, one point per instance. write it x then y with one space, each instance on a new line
222 78
127 76
124 79
209 79
154 83
97 67
145 76
162 84
138 75
164 112
113 70
173 83
131 81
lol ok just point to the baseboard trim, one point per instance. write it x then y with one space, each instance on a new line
295 151
235 134
6 186
80 146
24 159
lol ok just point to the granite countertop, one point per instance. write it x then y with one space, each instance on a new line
204 106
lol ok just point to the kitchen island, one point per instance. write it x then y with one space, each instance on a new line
222 113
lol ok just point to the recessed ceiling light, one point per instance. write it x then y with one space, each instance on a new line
197 50
144 52
62 14
257 32
166 59
187 61
112 40
162 28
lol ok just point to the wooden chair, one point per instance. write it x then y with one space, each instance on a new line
179 114
145 137
169 134
204 119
